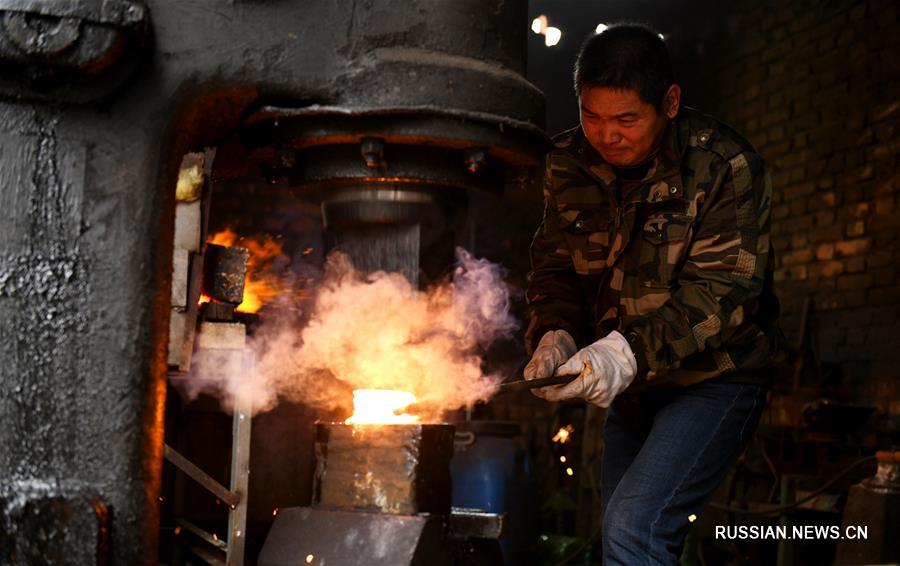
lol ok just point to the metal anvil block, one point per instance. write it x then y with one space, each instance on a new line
403 469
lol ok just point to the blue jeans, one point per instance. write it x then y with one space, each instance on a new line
665 453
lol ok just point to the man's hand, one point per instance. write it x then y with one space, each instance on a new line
552 351
604 369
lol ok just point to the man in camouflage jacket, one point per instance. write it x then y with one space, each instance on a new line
654 259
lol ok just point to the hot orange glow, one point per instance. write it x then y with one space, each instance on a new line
380 406
261 285
564 434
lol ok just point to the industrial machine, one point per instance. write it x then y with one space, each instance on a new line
382 497
385 113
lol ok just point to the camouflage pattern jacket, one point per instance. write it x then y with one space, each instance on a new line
680 264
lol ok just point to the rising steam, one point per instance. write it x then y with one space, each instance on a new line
375 331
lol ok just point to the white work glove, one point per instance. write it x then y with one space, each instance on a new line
552 351
604 369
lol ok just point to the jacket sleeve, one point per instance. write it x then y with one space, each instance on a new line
724 269
555 297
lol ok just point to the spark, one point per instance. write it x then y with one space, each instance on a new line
552 36
564 434
539 24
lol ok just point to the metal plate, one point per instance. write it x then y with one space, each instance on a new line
352 539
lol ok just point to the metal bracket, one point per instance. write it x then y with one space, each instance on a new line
118 13
68 45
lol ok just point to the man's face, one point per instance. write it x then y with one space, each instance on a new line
624 129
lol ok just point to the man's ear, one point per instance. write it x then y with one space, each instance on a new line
672 101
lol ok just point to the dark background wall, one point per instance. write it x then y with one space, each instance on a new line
815 86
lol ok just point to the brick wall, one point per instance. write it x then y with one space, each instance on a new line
815 85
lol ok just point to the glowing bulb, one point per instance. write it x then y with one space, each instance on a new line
562 459
552 36
309 558
570 472
692 518
662 37
601 28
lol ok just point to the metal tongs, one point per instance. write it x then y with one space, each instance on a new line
527 384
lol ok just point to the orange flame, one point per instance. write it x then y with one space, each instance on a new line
380 406
260 286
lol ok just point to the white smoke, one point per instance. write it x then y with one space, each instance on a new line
374 331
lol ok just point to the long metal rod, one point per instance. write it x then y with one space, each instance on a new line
202 534
526 384
201 477
240 478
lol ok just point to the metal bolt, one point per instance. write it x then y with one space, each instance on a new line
579 224
704 138
372 150
673 189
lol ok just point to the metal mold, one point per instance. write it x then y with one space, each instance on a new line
225 271
399 469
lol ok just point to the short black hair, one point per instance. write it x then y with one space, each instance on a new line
628 56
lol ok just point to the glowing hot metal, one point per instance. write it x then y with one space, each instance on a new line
380 406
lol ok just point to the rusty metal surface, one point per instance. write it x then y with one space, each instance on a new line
58 50
224 271
52 523
401 469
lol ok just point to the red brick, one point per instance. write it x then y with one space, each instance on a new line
856 264
879 258
859 210
856 229
884 205
852 247
798 240
831 269
825 251
824 218
799 272
804 255
884 276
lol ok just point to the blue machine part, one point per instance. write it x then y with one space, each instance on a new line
491 471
